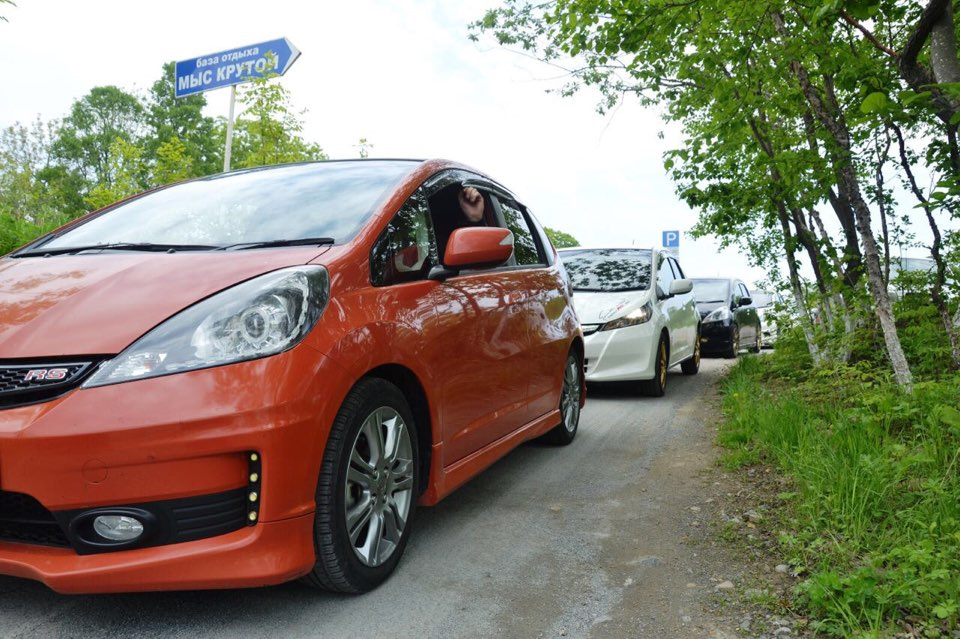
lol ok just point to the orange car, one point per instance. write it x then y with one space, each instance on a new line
253 377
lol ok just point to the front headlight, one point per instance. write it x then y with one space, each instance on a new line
718 315
260 317
636 316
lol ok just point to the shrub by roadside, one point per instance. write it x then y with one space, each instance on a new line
874 519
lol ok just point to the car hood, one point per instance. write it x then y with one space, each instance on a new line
98 304
598 308
705 308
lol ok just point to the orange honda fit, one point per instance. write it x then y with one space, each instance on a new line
257 376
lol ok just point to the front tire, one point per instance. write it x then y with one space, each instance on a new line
366 494
657 386
570 398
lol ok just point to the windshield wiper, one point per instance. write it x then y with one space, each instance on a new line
304 241
116 246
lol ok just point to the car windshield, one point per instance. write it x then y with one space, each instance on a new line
762 299
316 200
709 291
608 270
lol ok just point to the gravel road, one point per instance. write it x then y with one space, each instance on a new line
602 538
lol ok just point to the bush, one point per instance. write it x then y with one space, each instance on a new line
875 524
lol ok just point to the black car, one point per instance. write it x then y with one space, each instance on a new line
728 321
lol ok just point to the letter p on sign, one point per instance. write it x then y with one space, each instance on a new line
671 239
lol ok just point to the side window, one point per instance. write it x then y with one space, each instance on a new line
525 248
406 250
737 293
677 271
664 277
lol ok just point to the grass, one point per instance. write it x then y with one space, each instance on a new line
875 513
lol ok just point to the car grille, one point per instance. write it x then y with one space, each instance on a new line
23 519
30 382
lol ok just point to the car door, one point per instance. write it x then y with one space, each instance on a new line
670 308
545 308
480 349
687 317
740 315
750 317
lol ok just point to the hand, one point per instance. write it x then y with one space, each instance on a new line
471 203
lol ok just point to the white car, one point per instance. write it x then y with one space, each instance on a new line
637 312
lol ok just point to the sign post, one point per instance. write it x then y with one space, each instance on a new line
230 68
671 240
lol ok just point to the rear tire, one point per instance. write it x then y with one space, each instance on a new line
657 386
570 398
758 345
692 366
367 490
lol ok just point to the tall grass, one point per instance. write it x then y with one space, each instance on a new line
875 519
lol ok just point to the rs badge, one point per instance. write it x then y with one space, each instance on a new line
46 374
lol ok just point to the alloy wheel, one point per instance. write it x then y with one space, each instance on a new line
570 401
663 364
379 486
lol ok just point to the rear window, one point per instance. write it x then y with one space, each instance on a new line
323 199
608 270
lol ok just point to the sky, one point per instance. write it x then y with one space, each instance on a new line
402 74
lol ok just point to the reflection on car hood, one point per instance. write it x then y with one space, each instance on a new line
597 308
99 304
705 308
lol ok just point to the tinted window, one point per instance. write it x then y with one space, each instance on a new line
524 246
406 250
711 290
324 199
608 269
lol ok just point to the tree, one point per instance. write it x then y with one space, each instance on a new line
769 97
126 166
559 239
269 130
170 118
93 125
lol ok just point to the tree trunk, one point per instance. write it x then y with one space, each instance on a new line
936 291
852 258
831 118
806 324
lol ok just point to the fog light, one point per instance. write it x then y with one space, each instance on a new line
118 527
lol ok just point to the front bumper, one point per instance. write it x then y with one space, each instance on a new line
716 337
169 439
622 354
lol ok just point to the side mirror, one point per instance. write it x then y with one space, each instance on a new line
478 247
681 287
746 301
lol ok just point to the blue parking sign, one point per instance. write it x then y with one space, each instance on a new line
671 239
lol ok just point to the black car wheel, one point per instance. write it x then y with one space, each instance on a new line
366 494
657 386
692 365
570 398
734 344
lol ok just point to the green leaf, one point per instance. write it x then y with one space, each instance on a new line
874 102
955 118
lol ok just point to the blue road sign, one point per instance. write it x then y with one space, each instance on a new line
234 66
671 239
